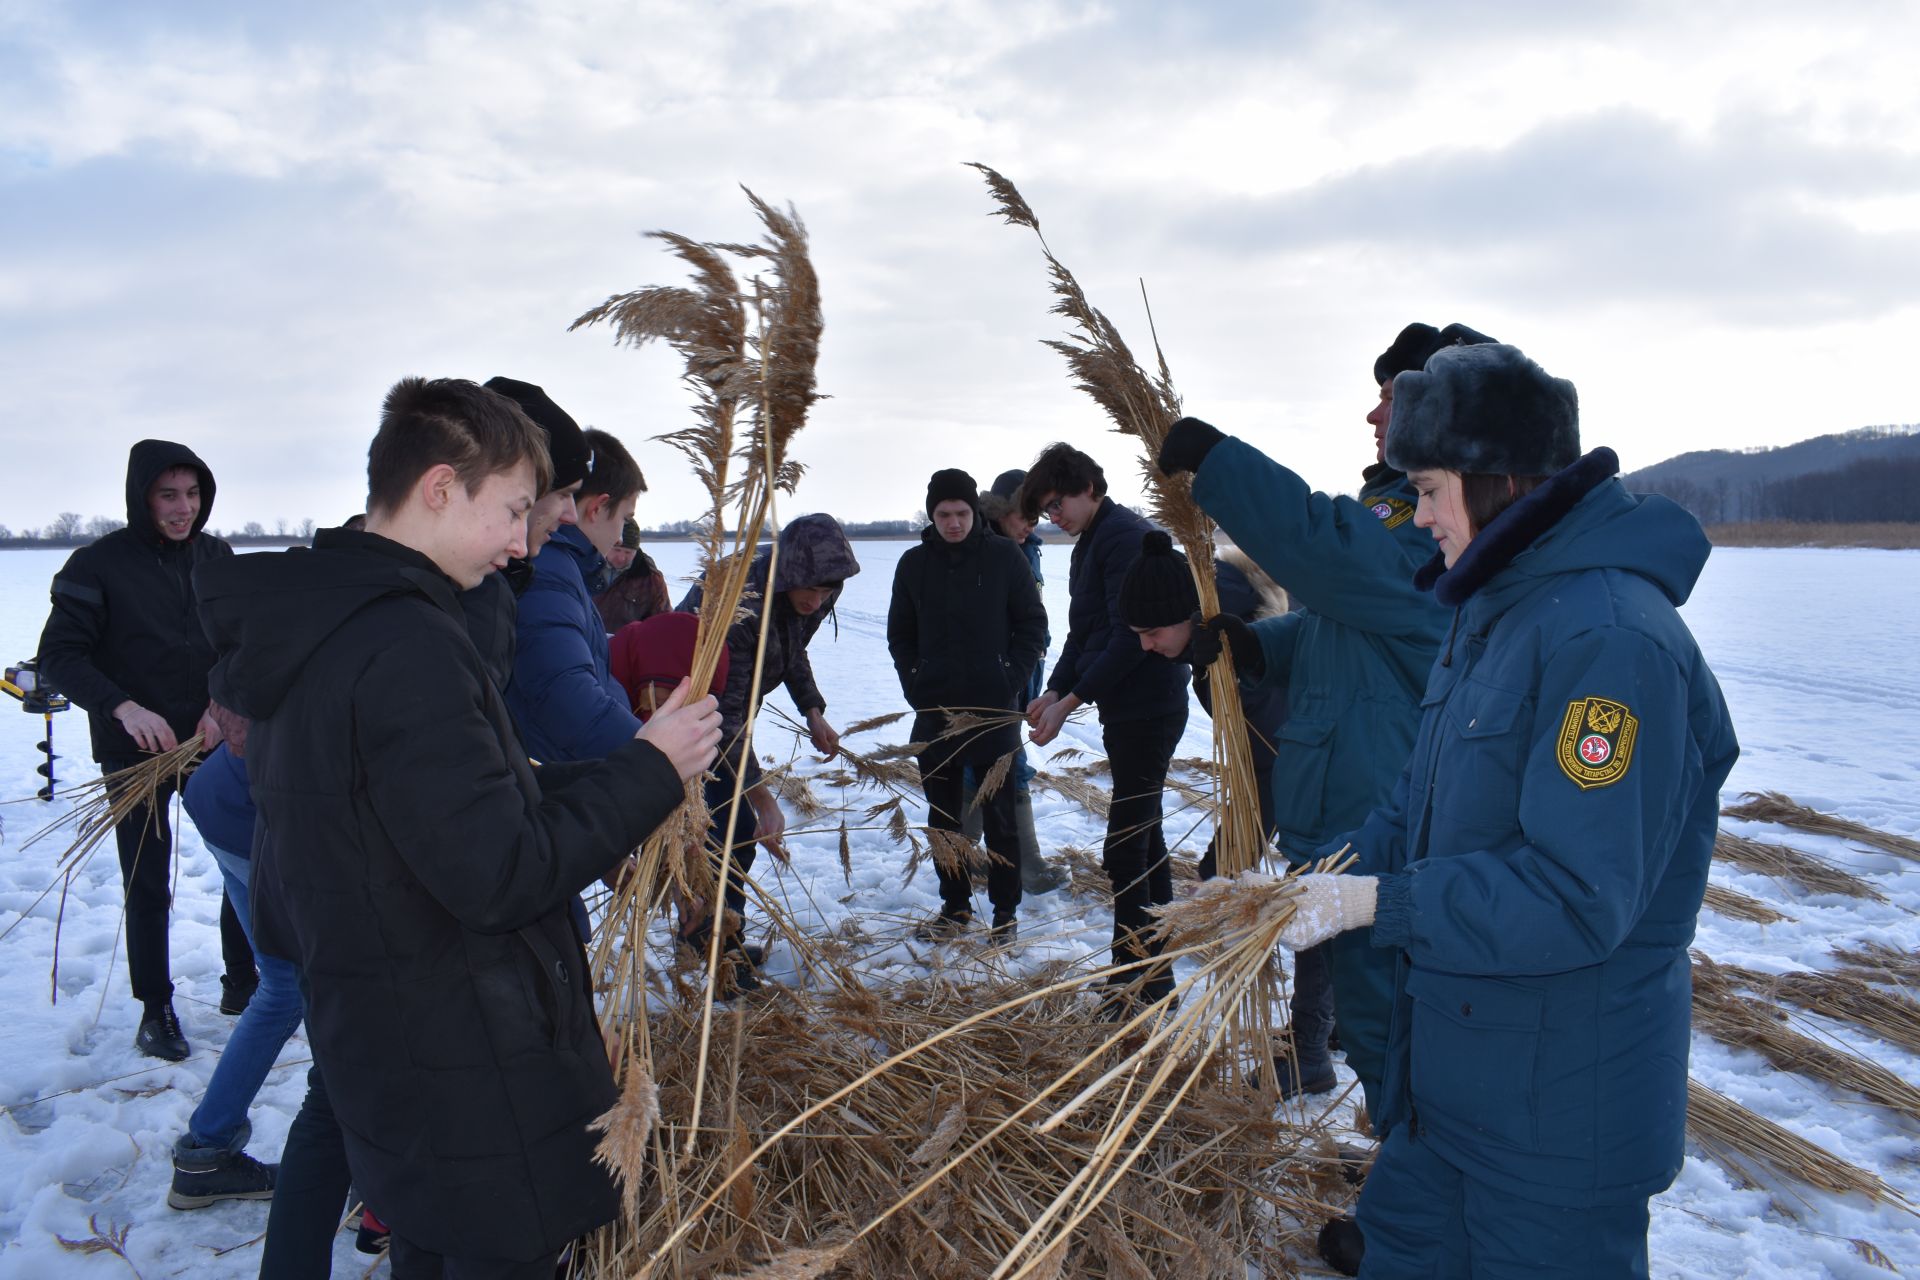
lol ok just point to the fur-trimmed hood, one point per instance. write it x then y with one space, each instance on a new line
1271 595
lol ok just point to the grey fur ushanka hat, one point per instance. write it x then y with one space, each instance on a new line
1484 410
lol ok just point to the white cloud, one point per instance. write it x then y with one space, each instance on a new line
239 232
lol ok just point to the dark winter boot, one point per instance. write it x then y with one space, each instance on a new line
202 1175
1342 1246
236 994
944 927
1005 930
1306 1072
370 1235
1037 875
160 1035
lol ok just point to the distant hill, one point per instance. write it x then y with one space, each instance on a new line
1869 474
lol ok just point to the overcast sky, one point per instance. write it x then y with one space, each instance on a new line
234 224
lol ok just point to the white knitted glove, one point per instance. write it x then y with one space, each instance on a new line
1328 905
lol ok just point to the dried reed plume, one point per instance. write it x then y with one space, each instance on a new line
1814 874
1145 407
1771 806
1732 1018
1746 1144
1736 905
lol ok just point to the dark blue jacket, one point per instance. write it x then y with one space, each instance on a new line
563 696
217 799
1544 855
1353 661
1102 661
1037 682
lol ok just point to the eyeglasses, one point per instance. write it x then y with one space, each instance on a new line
1052 509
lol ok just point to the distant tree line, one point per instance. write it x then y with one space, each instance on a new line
854 528
70 529
1872 489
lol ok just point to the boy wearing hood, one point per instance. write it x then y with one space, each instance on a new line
965 629
815 562
124 643
411 862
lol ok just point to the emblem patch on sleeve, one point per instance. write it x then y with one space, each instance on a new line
1392 512
1596 742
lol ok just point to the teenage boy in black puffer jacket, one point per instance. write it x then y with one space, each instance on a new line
1142 699
965 628
410 861
123 642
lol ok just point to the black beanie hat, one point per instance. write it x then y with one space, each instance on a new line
951 485
1158 591
1483 410
1417 343
1008 483
566 443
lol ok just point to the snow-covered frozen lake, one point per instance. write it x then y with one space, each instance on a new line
1813 648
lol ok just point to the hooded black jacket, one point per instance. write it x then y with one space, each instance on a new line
966 624
123 624
410 862
813 552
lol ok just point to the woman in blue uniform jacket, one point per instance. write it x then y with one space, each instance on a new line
1541 863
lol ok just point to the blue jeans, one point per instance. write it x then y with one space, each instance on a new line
270 1017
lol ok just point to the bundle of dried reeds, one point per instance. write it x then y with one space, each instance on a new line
1722 1011
1746 1144
1736 905
1877 962
1840 995
1814 874
1771 806
1144 407
97 807
907 1132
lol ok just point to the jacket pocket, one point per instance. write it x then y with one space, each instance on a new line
1303 751
1482 756
1475 1046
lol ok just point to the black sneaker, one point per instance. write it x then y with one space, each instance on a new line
236 995
1342 1246
160 1035
1005 929
203 1175
943 927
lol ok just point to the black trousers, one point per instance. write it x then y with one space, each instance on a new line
719 793
410 1262
309 1191
943 769
1135 856
145 840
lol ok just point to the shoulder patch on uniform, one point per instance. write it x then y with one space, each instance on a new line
1391 511
1596 741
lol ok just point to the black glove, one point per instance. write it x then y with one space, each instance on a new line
1187 444
1249 659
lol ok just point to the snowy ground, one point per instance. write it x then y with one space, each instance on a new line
1814 650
